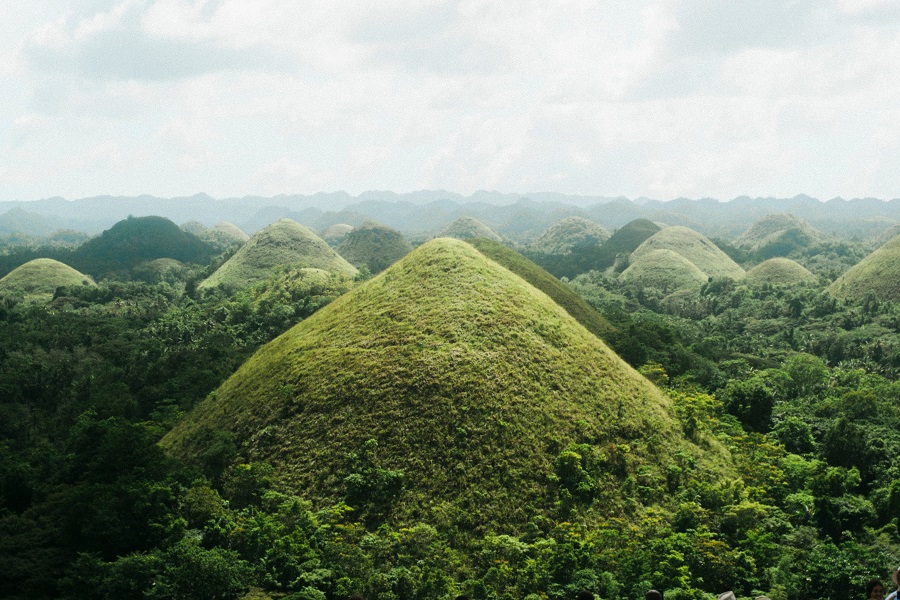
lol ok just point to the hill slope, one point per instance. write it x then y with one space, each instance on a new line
39 278
283 243
467 228
778 235
472 385
665 270
569 233
780 271
878 273
694 247
374 246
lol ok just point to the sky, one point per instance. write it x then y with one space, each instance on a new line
656 98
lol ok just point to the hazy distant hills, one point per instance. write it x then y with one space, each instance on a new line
515 216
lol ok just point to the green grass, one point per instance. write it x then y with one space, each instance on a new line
472 382
38 279
624 241
335 234
780 271
569 233
665 270
878 273
374 246
547 283
285 243
780 229
467 228
693 246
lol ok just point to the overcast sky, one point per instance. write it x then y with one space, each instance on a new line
657 98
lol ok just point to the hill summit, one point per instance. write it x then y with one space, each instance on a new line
778 235
693 246
284 243
38 279
447 390
374 246
878 274
569 233
467 228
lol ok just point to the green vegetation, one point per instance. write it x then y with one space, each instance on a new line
335 234
224 235
137 240
38 279
693 246
877 274
285 243
780 271
665 270
374 246
778 234
569 233
467 228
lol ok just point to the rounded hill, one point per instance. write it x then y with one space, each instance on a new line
374 246
336 233
778 234
878 274
467 228
693 246
446 389
284 243
780 271
664 270
40 277
569 233
138 240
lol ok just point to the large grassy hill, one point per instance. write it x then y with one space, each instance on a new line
450 391
878 274
39 278
778 235
285 243
374 246
569 233
693 246
780 271
664 270
138 240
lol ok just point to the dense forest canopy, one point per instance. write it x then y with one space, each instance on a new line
792 388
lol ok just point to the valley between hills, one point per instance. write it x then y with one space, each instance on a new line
432 397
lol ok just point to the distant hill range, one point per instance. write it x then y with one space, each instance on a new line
514 216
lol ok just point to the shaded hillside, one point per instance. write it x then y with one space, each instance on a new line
878 274
137 240
664 270
335 234
39 278
547 283
780 271
467 228
445 390
693 246
374 246
285 243
569 233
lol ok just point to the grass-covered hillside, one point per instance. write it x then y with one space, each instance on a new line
664 270
778 235
285 243
693 246
137 240
467 228
374 246
547 283
780 271
878 274
39 278
447 390
569 233
336 233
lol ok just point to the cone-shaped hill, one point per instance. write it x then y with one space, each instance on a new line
624 241
336 233
38 279
878 273
374 246
285 243
467 228
473 385
780 271
136 240
665 270
569 233
778 235
224 235
693 246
